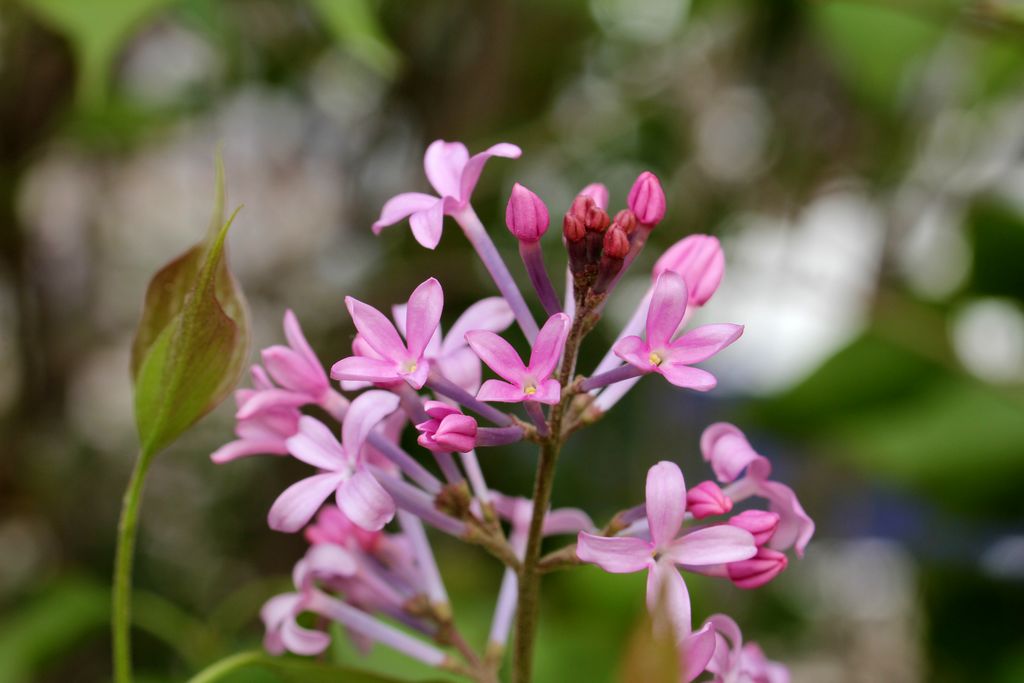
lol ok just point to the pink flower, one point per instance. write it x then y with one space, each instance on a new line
666 507
265 432
387 358
672 358
295 367
453 174
734 662
758 522
647 199
447 430
700 262
359 495
531 382
333 527
526 215
727 449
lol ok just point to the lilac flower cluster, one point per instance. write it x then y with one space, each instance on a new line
380 581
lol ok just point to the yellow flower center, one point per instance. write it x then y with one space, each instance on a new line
409 366
530 390
655 358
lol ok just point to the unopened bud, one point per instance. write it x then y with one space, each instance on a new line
597 192
698 259
597 219
627 220
580 206
647 199
526 215
615 248
575 243
761 523
707 499
758 570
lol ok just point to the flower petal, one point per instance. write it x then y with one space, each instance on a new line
422 316
549 391
365 369
303 641
666 310
615 554
634 351
695 652
462 367
400 206
267 399
365 413
703 342
712 545
566 521
297 340
492 314
376 330
498 354
365 502
427 225
496 391
316 445
241 448
291 370
443 163
664 583
475 166
300 501
548 347
687 377
729 452
795 526
666 502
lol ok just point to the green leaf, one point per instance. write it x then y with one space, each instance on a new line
354 25
241 667
96 30
874 45
193 338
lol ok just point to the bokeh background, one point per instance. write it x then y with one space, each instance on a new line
862 163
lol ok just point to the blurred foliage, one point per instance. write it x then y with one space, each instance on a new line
914 106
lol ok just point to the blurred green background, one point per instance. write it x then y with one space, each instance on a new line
862 163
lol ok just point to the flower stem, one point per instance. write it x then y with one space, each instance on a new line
228 665
533 259
122 607
528 608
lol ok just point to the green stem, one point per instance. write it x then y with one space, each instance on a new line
122 608
228 665
528 607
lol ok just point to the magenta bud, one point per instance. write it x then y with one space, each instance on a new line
707 499
758 570
526 215
761 523
647 199
597 192
448 429
698 259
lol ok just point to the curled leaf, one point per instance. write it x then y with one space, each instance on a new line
193 339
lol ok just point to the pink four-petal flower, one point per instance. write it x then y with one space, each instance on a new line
672 358
453 174
359 495
385 357
532 382
666 508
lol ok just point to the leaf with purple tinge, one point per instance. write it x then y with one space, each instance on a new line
193 338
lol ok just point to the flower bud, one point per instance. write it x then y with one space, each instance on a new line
580 206
626 219
707 499
597 192
597 219
761 523
614 249
698 259
526 215
647 199
758 570
448 429
575 243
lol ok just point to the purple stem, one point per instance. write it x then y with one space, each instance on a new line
642 233
533 259
476 476
498 436
536 414
413 528
505 607
456 393
619 374
408 497
412 469
378 631
481 241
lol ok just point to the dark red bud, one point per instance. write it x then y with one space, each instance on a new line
573 228
616 242
580 206
597 219
626 219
